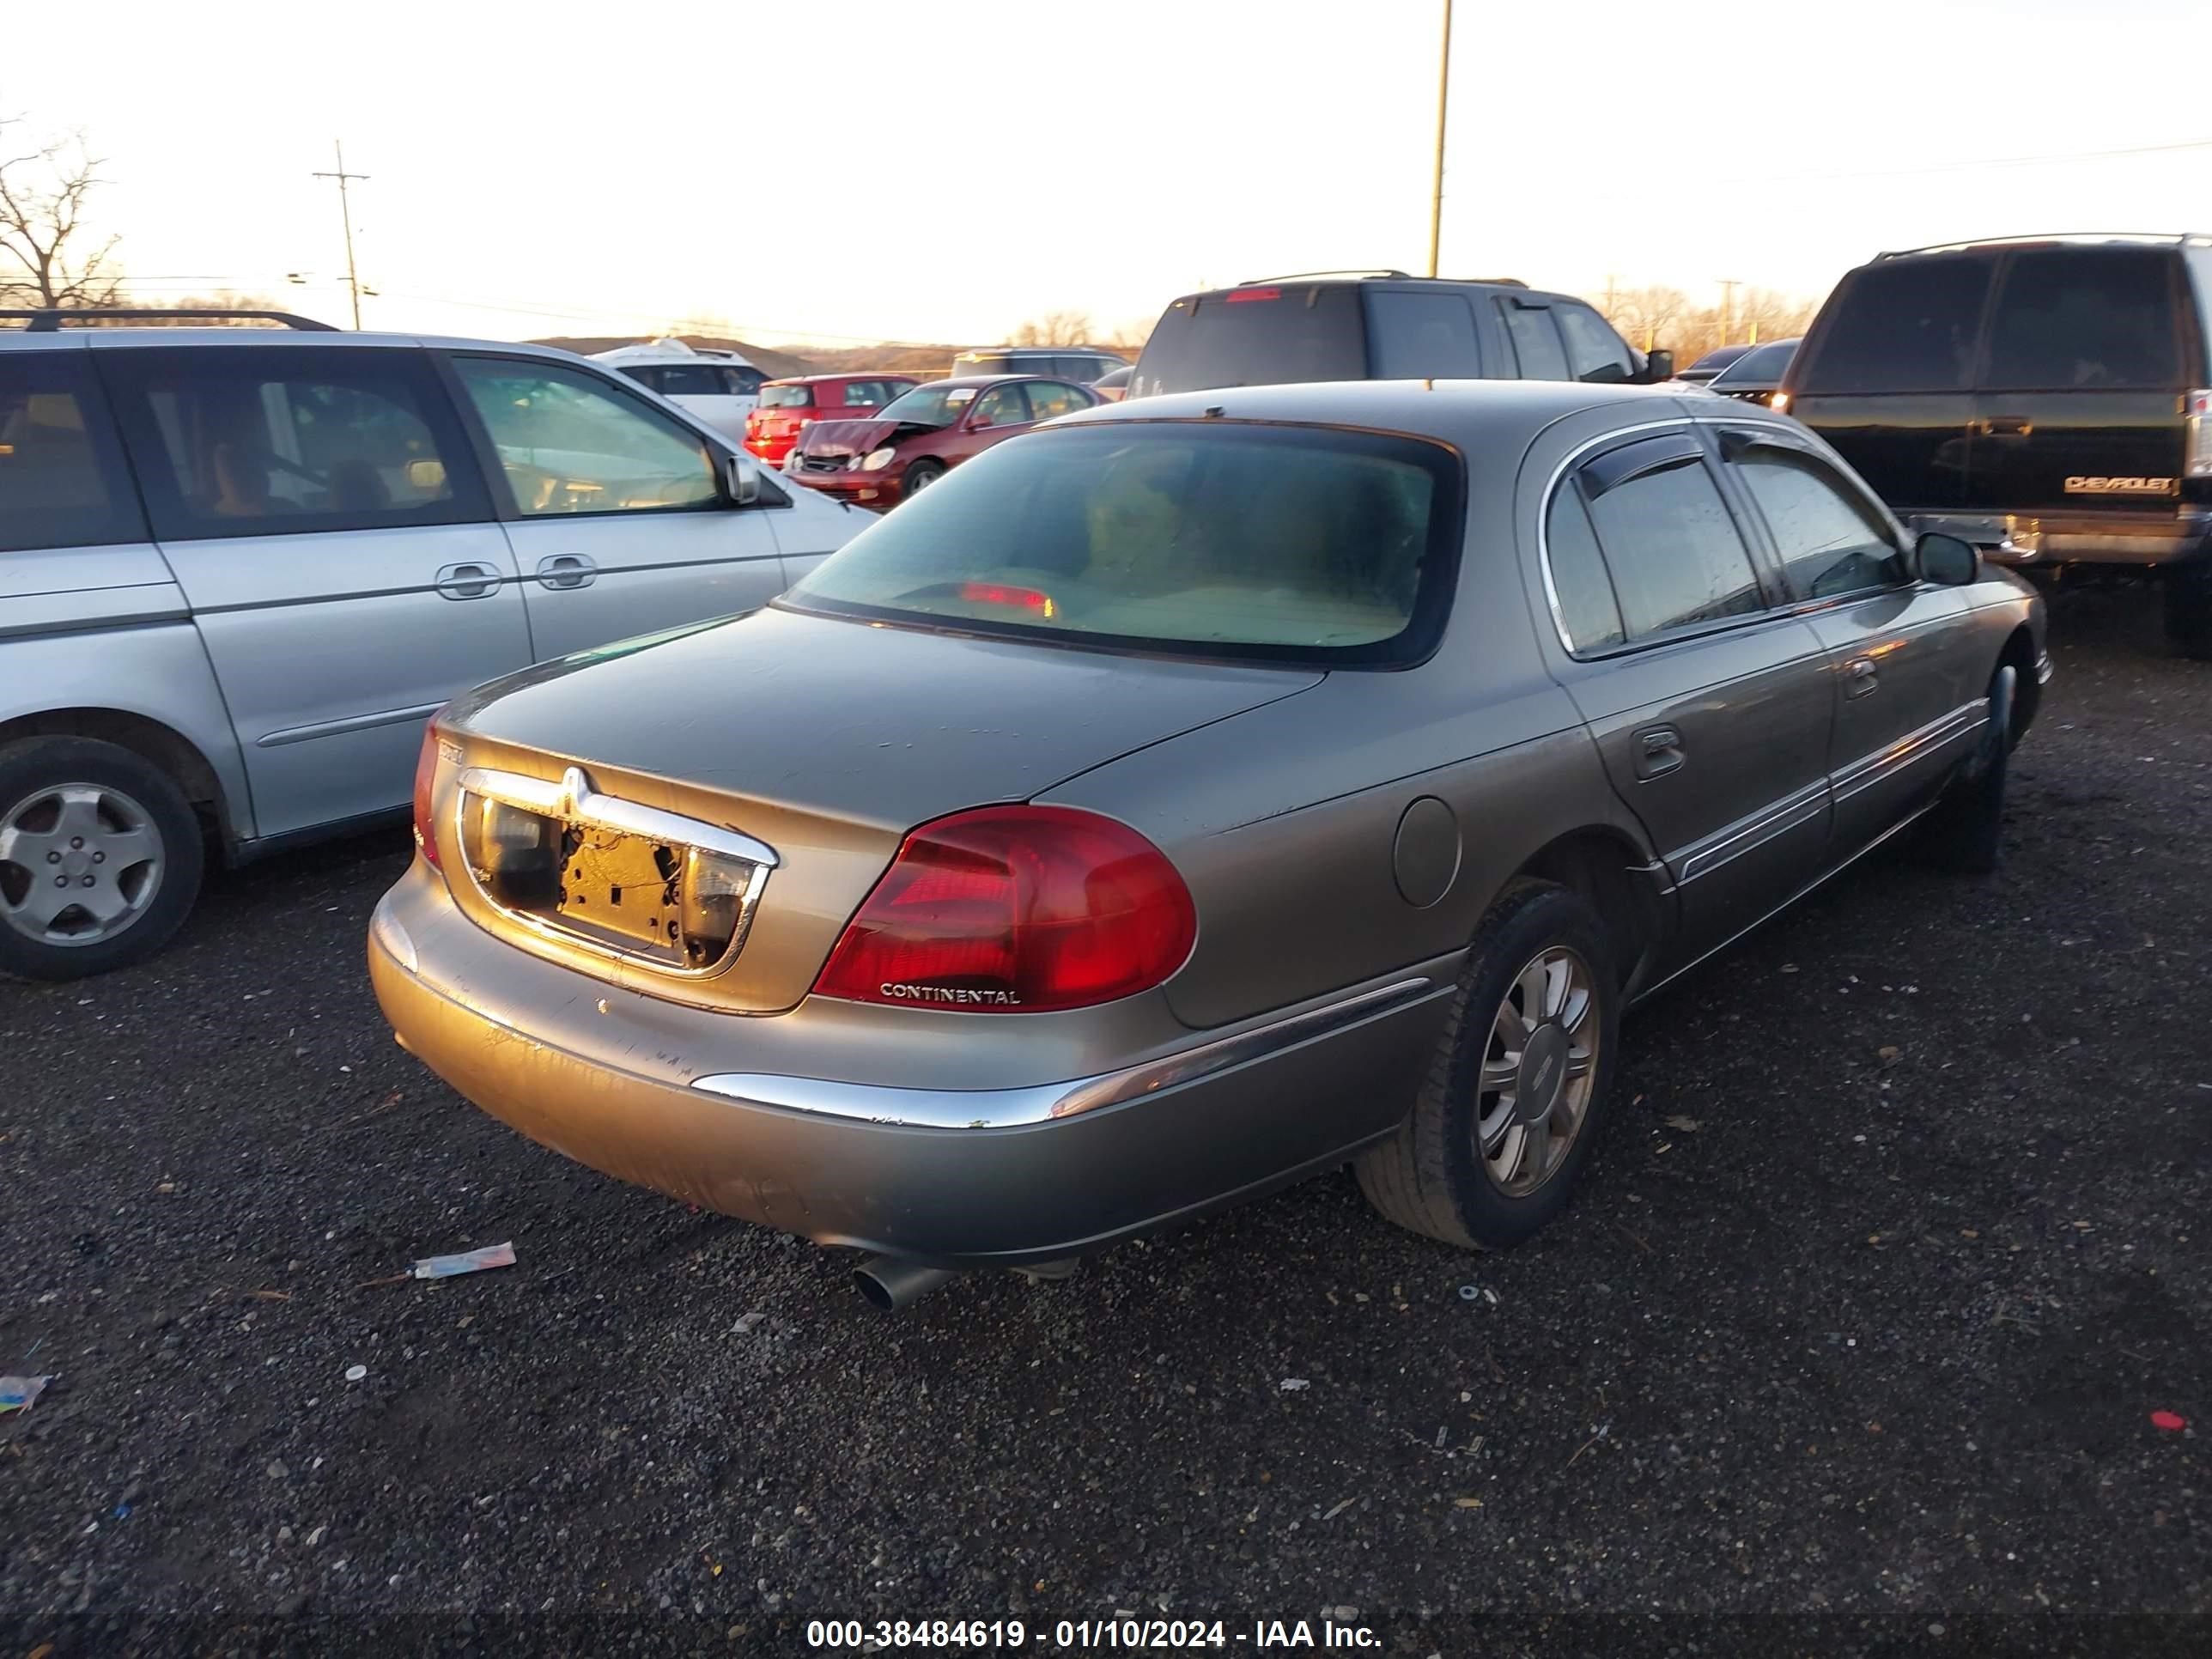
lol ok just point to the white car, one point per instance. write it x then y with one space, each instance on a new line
719 387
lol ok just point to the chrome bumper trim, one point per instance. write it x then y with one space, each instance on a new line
1044 1102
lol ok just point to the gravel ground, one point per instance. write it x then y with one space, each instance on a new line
1851 1342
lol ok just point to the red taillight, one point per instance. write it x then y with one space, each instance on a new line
1021 599
426 771
1016 909
1236 293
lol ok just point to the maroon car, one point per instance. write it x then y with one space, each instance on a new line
879 462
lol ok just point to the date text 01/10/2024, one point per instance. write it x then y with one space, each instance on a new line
1080 1634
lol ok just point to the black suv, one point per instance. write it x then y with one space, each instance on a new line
1383 325
2044 396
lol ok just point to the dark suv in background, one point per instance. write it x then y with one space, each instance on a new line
1383 325
2046 398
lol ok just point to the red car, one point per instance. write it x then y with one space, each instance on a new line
787 408
915 441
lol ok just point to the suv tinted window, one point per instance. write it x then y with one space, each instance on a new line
1903 325
1594 352
570 442
2085 317
743 382
1535 341
1421 336
61 480
1082 369
1829 542
679 380
1255 337
251 441
1675 556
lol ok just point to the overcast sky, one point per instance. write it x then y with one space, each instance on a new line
938 170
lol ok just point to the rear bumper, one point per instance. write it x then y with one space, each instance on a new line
2142 538
954 1178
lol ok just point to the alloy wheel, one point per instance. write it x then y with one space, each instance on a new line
1537 1072
79 863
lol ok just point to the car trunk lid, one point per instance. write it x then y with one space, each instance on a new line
826 740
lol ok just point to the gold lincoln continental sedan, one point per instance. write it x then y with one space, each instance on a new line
1195 793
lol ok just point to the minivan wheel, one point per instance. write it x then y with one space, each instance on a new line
1965 832
100 857
1519 1086
2188 603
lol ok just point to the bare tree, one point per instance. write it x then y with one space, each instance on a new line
47 255
1129 338
1055 328
1648 316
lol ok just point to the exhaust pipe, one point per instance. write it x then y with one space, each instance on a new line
890 1283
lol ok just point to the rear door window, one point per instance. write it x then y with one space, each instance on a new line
1830 541
1675 556
1049 398
1581 592
1903 325
246 441
1256 335
1536 341
62 477
1421 336
682 379
2086 318
1594 352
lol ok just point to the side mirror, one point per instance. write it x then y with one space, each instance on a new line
1945 559
1658 366
741 479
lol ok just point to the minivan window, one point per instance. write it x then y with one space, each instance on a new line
1255 337
2086 318
1421 336
1675 556
1535 341
253 441
1594 352
569 443
1830 544
1220 539
1902 325
62 478
679 380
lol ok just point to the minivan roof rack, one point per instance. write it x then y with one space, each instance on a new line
2159 237
46 319
1494 281
1301 276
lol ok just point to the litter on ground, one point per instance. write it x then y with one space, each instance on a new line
17 1393
468 1261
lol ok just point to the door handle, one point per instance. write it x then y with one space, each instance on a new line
566 570
1658 751
466 581
1860 678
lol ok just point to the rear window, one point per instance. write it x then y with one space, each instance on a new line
1255 337
1219 539
1904 325
786 397
1422 337
2086 318
1761 364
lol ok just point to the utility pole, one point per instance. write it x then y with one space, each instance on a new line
346 212
1610 285
1443 96
1728 286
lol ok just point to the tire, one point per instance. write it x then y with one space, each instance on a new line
919 478
2188 605
136 856
1964 832
1428 1177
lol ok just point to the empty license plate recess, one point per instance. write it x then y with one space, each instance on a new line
620 884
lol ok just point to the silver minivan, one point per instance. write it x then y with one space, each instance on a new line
238 566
